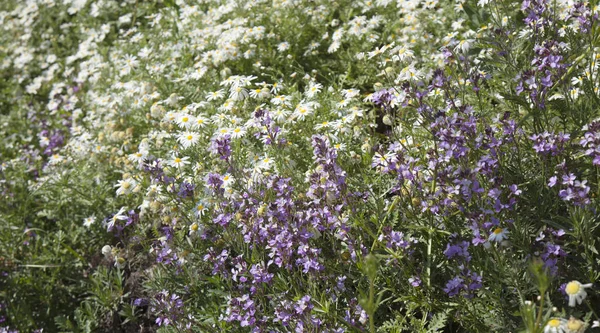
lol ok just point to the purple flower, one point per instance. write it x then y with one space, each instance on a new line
549 143
221 146
186 190
454 286
458 250
414 281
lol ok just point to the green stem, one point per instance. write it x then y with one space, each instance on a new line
372 306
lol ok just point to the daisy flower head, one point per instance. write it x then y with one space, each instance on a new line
200 209
498 235
215 95
238 93
126 186
200 122
555 325
179 162
275 87
195 229
88 221
313 89
138 157
302 110
188 139
260 93
284 46
237 132
265 163
55 159
185 121
119 216
227 180
281 100
576 292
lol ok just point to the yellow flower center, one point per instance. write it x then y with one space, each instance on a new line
554 323
200 207
237 130
194 227
498 231
126 185
177 160
572 288
189 137
185 119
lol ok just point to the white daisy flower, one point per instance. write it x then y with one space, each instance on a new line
222 132
55 159
238 93
281 100
237 132
119 216
200 209
138 157
195 229
185 121
178 162
227 180
275 88
200 122
555 325
498 235
188 139
265 163
215 95
313 89
284 46
88 221
576 292
302 110
126 186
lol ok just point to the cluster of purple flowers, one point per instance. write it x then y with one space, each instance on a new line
186 190
170 311
56 140
271 217
467 281
383 98
551 251
549 143
156 171
290 313
571 189
548 63
221 146
396 240
270 133
591 141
